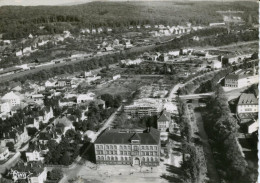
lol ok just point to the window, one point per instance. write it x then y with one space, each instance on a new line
111 147
98 158
121 147
125 158
115 147
151 148
121 152
107 146
97 146
155 148
125 147
142 147
108 158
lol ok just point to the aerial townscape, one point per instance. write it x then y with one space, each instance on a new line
129 91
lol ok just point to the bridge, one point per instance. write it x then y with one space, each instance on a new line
197 96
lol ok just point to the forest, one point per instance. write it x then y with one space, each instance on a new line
17 21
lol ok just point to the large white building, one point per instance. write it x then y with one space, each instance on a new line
240 79
247 103
128 147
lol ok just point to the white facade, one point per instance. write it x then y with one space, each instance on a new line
253 127
85 97
241 82
249 108
33 156
12 98
5 107
116 77
41 178
49 84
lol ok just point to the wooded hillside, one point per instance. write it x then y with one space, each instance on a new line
18 21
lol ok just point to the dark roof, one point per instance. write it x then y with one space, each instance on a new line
247 99
235 76
35 168
164 117
45 136
117 136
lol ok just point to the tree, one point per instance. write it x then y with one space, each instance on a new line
10 146
55 174
32 131
65 160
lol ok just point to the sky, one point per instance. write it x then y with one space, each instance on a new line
68 2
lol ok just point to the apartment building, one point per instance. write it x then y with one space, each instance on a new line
128 147
240 79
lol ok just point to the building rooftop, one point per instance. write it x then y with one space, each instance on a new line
247 98
117 136
10 95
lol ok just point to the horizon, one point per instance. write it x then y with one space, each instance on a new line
76 2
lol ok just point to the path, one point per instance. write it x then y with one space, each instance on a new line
73 172
211 165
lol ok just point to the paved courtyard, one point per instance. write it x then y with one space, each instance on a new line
93 173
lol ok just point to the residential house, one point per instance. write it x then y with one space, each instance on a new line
17 89
100 103
163 57
64 83
174 53
154 33
63 124
34 172
32 123
163 122
117 76
17 135
83 98
131 62
33 154
214 64
147 26
12 99
50 83
128 147
38 98
247 103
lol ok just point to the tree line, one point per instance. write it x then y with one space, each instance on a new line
222 129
